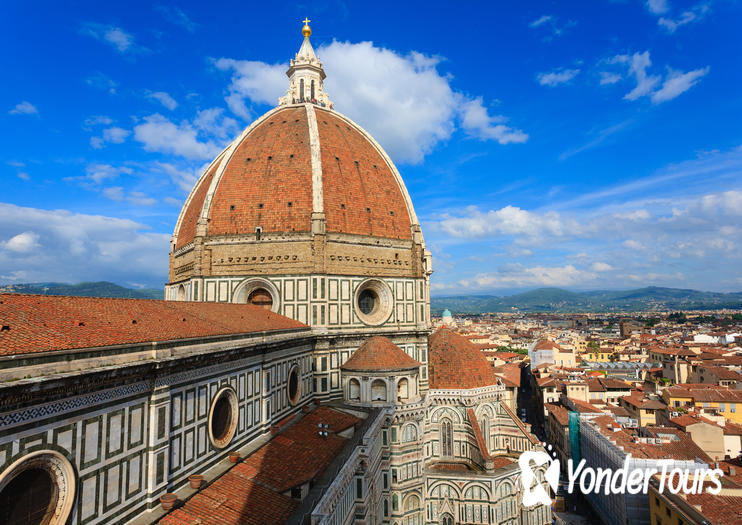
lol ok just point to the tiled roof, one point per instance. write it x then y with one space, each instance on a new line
456 363
510 374
481 443
379 353
559 412
682 449
43 323
545 344
267 182
251 491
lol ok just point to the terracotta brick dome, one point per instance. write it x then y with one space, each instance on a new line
295 161
456 363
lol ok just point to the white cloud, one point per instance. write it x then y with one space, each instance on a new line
22 243
184 178
74 247
509 220
164 98
115 193
159 134
552 23
213 123
121 41
102 82
24 176
555 78
176 16
477 122
686 17
114 135
257 81
601 267
541 21
96 120
632 244
658 7
402 100
647 85
678 82
98 173
607 78
517 275
24 108
140 199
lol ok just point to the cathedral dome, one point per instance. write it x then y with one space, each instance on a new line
296 161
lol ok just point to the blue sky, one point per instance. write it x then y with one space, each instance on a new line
584 145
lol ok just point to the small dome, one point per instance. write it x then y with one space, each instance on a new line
379 354
446 313
455 362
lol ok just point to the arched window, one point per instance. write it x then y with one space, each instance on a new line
354 390
378 390
446 438
409 433
261 297
403 389
484 425
181 293
446 519
301 90
412 504
395 502
312 89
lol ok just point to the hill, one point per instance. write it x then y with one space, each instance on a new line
96 289
556 300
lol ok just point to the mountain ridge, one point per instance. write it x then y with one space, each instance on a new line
84 289
558 300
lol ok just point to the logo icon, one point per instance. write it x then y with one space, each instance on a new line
534 492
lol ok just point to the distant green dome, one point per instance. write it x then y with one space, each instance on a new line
446 313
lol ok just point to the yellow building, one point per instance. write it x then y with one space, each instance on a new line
706 399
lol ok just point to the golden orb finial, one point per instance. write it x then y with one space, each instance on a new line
306 30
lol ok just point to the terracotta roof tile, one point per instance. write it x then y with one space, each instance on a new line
379 353
454 362
43 323
251 491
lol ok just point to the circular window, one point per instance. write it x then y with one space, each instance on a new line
294 385
368 301
261 297
38 489
374 302
223 417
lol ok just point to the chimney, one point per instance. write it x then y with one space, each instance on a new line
732 471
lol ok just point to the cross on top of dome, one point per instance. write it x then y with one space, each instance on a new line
306 76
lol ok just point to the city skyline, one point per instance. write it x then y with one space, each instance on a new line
532 158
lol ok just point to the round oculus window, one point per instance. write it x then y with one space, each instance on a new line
223 417
368 301
38 489
373 302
